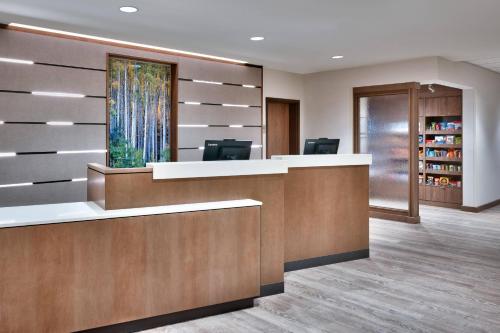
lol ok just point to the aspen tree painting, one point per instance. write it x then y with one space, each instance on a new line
139 112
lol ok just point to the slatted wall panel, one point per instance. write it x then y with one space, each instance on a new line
51 156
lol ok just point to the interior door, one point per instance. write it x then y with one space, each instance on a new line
386 126
278 128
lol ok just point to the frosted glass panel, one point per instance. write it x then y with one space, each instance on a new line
384 133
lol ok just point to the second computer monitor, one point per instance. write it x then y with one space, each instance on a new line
321 146
227 149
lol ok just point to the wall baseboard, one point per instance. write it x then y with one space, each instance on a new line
326 260
173 318
378 214
272 289
481 208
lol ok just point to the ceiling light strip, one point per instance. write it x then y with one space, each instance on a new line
17 61
236 105
60 123
193 125
221 83
220 104
15 185
57 94
124 43
9 154
208 82
91 151
215 125
203 148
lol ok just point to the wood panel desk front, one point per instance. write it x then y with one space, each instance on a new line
326 209
127 188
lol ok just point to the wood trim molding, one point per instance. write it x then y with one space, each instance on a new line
482 207
174 103
107 170
124 45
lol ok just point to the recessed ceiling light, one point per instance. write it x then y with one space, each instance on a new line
337 57
128 9
256 38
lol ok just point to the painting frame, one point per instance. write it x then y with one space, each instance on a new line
173 100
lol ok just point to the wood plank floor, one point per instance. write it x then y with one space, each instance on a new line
440 276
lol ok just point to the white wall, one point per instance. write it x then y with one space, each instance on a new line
279 84
484 118
329 95
330 105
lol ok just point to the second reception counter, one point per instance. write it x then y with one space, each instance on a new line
326 209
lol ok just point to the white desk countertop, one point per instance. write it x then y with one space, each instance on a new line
304 161
21 216
178 170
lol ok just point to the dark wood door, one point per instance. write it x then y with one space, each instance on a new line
283 127
278 129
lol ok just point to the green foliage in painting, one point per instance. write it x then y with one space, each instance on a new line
139 112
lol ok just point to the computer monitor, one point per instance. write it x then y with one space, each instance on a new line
227 149
321 146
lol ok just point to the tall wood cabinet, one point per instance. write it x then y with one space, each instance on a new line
440 146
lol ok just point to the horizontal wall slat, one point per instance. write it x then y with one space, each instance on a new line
197 155
22 107
43 194
215 71
68 52
218 115
195 137
45 78
29 138
29 168
60 51
221 94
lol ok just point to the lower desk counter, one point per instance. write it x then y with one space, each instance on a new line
65 276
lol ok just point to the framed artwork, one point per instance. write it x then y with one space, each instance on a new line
141 110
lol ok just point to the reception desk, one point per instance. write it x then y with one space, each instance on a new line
175 241
191 182
75 266
326 209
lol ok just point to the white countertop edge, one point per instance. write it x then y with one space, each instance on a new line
21 216
304 161
180 170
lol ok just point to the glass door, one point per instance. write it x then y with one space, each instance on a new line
386 126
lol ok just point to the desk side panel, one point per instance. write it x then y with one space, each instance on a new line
96 187
74 276
326 211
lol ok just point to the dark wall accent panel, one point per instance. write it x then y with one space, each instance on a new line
75 66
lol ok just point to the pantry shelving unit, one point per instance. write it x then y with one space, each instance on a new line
440 164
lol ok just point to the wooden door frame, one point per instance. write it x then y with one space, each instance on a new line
411 89
173 107
294 137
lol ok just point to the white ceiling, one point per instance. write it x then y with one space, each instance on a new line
301 35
